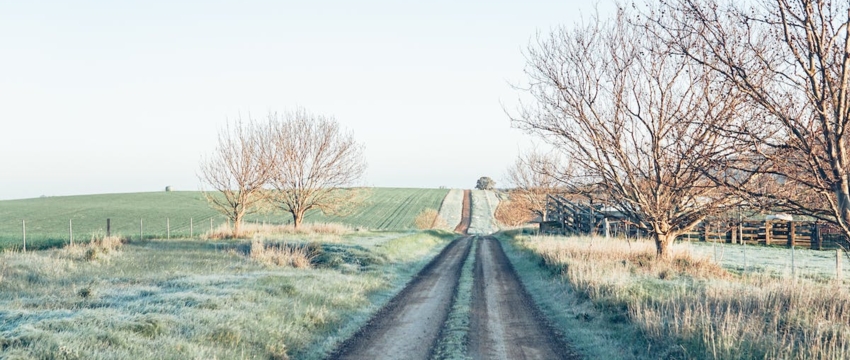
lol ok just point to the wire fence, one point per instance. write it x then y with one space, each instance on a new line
46 233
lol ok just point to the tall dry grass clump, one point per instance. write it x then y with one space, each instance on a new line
251 230
689 307
99 247
287 255
430 219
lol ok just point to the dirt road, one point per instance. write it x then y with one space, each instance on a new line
407 328
505 324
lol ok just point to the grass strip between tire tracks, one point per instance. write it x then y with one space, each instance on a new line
454 336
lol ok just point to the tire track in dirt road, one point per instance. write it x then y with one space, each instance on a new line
504 322
408 326
466 214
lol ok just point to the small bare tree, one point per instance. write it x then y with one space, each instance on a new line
636 120
534 176
792 59
238 169
313 160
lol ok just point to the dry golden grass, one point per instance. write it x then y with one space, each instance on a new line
430 219
513 213
287 255
99 247
689 307
249 230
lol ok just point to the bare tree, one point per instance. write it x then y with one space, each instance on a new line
636 120
238 169
792 58
534 176
313 160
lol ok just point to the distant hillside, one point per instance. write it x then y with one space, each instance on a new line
47 219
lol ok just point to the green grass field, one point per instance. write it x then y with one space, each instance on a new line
187 213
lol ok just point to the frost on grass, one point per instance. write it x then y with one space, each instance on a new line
484 204
752 259
690 307
452 208
190 300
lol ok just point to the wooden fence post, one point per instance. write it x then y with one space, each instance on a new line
793 263
768 231
705 226
607 229
191 228
108 227
792 237
71 231
741 233
141 229
817 241
732 232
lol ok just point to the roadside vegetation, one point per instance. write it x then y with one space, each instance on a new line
278 297
687 307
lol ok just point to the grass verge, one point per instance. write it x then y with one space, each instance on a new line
199 299
454 336
688 307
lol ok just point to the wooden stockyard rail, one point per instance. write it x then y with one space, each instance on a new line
570 217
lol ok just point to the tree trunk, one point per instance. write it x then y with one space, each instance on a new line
662 245
237 223
843 200
297 218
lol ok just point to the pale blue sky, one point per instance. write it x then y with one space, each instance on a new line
121 96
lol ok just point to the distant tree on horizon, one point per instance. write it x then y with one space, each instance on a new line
485 183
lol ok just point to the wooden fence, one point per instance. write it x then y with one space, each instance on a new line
807 234
568 217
